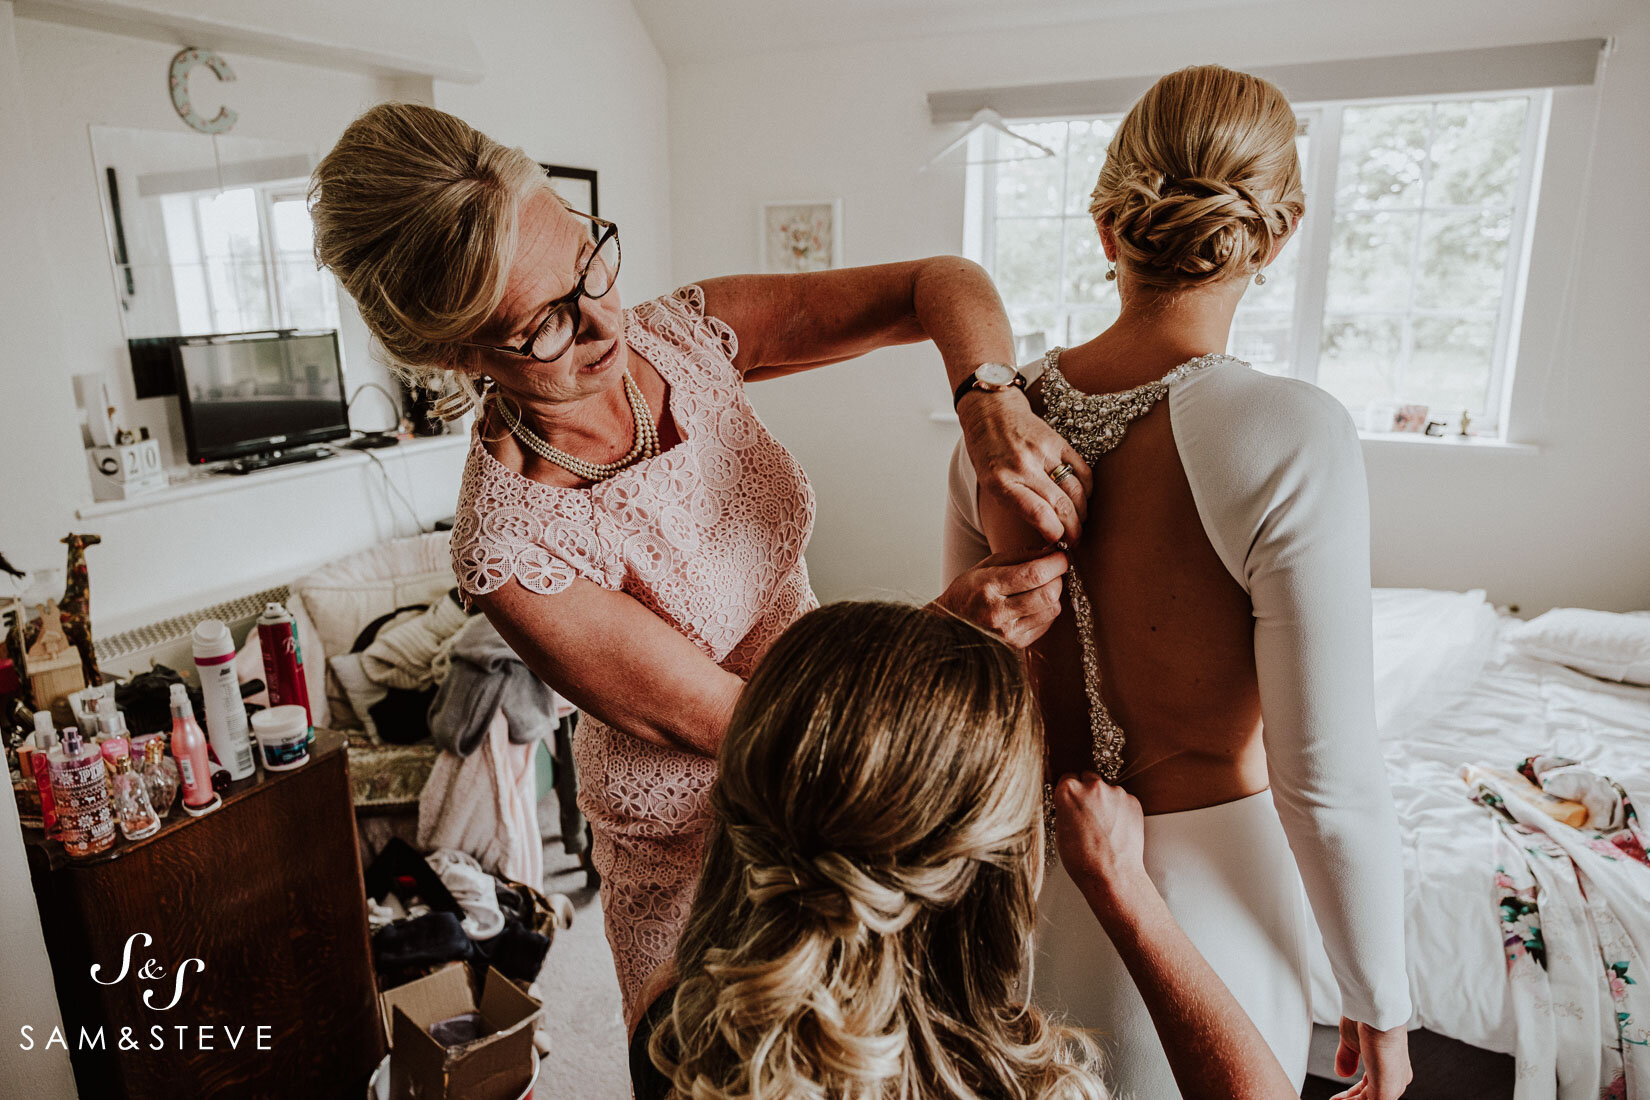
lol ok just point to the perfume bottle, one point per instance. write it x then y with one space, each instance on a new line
160 777
85 818
134 813
45 743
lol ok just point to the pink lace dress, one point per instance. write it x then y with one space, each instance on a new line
709 536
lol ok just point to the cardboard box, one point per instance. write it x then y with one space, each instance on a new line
497 1066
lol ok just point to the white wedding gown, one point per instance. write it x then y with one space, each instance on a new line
1276 472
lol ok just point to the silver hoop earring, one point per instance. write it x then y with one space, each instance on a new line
1111 273
1260 278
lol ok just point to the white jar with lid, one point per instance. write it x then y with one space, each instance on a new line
283 737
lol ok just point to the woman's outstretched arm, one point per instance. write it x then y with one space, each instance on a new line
1213 1047
792 323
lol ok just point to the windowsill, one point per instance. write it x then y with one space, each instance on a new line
1378 439
194 482
1447 442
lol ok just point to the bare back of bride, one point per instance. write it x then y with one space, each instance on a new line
1214 657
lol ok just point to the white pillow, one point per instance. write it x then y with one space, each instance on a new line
1599 643
1429 648
364 693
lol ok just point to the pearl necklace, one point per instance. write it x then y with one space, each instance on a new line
646 443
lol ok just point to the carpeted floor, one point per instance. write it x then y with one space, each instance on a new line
588 1057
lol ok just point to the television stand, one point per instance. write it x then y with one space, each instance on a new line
277 458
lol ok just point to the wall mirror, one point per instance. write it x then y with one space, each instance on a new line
209 234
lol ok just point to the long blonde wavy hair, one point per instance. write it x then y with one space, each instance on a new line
416 212
1200 179
868 893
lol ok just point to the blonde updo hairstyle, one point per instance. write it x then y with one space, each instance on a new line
1201 179
868 891
416 213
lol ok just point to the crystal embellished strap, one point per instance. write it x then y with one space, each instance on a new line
1106 734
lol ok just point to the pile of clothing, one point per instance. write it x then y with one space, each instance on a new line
434 671
1572 893
427 911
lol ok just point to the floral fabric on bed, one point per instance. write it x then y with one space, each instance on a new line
1574 910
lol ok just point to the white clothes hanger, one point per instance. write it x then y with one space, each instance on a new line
987 119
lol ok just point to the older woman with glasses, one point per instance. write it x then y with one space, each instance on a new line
625 520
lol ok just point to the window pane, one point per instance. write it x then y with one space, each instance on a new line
1450 367
229 225
1359 362
1035 331
1261 339
1031 186
1027 265
1476 152
1383 150
1086 265
1084 156
1463 260
1369 261
232 243
1086 324
1278 291
290 224
309 297
240 296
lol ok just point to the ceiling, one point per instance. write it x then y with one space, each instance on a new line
703 30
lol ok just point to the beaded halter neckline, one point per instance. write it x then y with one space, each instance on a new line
1094 423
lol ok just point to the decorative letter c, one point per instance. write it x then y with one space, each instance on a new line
182 65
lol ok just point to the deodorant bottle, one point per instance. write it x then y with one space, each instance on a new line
226 725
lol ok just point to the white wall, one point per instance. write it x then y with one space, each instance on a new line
1570 525
579 83
576 84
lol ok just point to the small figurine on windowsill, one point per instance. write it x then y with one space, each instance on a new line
1466 422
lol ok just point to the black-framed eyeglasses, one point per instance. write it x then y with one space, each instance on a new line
560 327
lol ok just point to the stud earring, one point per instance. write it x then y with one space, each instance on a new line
1260 278
1111 273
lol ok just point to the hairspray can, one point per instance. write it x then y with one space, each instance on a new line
225 713
283 660
189 749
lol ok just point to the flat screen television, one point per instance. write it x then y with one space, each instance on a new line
259 393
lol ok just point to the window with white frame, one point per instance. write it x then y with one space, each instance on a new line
243 260
1401 287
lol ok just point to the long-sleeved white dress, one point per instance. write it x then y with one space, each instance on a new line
1276 472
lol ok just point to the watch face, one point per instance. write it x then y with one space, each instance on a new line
994 375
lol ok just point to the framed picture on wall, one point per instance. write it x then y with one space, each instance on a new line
801 235
576 185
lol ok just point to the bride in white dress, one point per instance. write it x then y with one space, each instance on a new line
1217 658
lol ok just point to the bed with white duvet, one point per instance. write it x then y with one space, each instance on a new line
1458 684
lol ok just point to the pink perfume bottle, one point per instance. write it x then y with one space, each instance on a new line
160 776
133 812
80 791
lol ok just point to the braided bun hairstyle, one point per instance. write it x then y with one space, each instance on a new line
868 892
416 213
1200 179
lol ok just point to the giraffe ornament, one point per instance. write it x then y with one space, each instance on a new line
75 608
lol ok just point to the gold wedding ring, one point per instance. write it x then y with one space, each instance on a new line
1061 472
